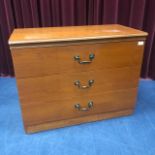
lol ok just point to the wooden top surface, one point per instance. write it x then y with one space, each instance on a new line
72 33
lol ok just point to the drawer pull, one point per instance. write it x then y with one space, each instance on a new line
78 106
78 59
78 84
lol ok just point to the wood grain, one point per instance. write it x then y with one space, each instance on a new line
61 109
72 33
34 62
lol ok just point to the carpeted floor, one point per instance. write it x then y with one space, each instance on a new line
133 135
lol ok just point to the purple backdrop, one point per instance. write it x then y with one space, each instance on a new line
138 14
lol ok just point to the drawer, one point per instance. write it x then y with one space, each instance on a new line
61 109
48 88
43 61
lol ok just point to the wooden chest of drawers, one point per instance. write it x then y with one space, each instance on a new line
72 75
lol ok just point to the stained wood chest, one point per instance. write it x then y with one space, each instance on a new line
76 74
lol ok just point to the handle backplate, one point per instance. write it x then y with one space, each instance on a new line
78 84
80 108
78 59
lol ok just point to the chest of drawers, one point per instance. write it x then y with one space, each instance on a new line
72 75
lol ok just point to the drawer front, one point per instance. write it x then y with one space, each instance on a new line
49 88
34 62
61 109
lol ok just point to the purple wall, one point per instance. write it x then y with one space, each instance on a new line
138 14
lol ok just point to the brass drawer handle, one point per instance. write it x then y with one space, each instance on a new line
78 84
78 59
78 106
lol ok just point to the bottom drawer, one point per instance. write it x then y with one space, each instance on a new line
38 113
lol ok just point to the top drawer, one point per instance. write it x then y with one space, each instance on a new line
42 61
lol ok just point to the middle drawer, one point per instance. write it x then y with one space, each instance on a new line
49 88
